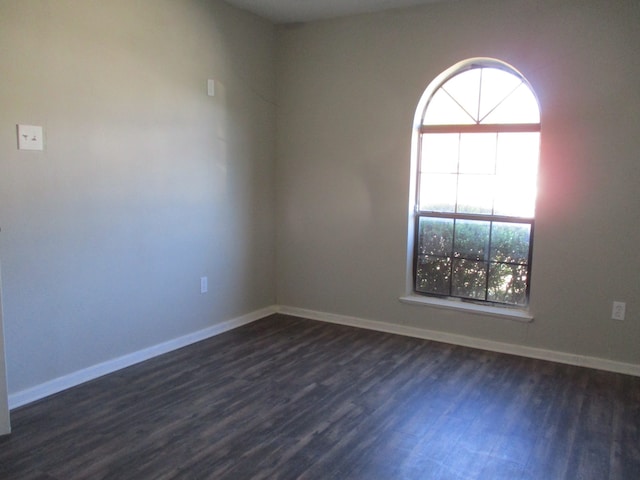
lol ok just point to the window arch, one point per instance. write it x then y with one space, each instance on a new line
476 148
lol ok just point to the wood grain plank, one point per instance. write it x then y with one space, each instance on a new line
289 398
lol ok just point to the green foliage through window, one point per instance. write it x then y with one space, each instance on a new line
478 260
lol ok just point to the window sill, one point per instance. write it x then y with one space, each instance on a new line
517 315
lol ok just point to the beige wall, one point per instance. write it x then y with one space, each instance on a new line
347 93
5 424
145 184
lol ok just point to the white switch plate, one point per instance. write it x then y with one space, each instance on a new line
30 137
211 87
204 285
618 311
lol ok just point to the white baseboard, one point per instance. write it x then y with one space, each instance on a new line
455 339
56 385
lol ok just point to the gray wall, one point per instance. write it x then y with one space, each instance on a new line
5 424
145 184
347 93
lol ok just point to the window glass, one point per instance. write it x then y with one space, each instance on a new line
519 107
464 89
438 192
440 153
497 86
477 177
478 153
475 194
443 110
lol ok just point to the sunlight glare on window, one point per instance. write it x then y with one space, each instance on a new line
519 107
496 86
443 110
475 194
439 192
440 153
463 88
478 153
516 174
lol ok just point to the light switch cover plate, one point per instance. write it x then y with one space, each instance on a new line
30 137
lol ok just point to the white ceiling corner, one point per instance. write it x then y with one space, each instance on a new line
294 11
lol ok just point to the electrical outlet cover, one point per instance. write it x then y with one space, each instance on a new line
618 310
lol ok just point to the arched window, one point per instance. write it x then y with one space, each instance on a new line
477 146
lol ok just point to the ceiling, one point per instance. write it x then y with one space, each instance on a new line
293 11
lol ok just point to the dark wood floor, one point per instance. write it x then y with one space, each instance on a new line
287 398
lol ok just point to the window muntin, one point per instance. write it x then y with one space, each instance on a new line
478 151
482 95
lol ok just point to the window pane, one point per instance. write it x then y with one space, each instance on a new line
440 152
515 199
433 274
464 88
442 110
469 279
508 284
510 242
471 239
438 192
475 194
435 236
497 84
517 154
478 153
516 168
519 107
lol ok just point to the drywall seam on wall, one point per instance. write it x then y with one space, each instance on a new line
462 340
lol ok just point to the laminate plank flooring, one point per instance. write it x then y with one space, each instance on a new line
289 398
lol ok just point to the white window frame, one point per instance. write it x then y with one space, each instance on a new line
517 313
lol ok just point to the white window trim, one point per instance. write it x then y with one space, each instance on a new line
510 313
